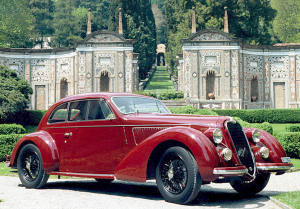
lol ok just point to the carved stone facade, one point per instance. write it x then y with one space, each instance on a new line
104 60
239 76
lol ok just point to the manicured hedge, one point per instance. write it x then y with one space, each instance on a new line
11 129
191 110
167 95
28 117
264 126
7 143
264 115
293 128
290 141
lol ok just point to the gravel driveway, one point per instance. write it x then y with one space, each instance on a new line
87 194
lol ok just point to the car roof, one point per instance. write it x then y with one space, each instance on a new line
97 95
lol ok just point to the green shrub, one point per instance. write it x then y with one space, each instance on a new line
290 141
264 115
264 126
11 129
162 95
292 128
191 110
7 143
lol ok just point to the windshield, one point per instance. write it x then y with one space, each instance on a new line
127 105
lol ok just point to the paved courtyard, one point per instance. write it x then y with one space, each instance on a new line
87 194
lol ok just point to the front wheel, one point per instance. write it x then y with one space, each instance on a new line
30 167
250 187
177 176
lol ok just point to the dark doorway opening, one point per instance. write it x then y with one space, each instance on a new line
160 59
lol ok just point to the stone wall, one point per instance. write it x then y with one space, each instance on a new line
241 76
103 58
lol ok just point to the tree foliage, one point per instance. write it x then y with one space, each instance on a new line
14 94
43 11
138 24
16 24
248 19
286 24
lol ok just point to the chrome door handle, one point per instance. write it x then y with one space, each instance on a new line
68 134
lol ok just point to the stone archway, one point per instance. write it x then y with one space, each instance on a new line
160 59
63 88
104 82
210 85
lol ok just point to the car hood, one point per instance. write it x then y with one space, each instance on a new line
175 119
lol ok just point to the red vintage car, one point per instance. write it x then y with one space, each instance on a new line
129 137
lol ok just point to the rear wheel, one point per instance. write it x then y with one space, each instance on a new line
250 187
30 167
177 176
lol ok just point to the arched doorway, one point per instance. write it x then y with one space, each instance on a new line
63 88
160 59
104 82
254 89
210 85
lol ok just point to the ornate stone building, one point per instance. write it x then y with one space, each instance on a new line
103 61
218 71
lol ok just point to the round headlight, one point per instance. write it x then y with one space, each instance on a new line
264 152
256 136
226 154
217 136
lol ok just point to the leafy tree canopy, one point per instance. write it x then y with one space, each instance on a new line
286 24
16 24
14 94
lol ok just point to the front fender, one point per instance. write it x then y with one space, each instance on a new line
134 166
46 145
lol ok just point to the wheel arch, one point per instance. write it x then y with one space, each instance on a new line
158 152
46 145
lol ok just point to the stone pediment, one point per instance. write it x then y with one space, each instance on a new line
211 35
104 36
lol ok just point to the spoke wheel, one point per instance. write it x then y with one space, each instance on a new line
30 167
177 176
173 173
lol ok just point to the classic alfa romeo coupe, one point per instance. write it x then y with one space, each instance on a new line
129 137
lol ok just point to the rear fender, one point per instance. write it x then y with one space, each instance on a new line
134 166
46 145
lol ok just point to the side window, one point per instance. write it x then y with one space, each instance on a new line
59 114
99 110
77 111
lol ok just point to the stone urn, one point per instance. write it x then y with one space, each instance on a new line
211 96
253 98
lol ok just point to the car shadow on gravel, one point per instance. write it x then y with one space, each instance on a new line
209 196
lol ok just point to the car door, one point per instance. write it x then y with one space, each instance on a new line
95 144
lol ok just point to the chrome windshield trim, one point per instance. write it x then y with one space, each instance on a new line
230 172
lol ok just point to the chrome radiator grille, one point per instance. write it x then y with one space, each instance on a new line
241 146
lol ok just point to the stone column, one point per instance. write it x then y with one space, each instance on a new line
194 30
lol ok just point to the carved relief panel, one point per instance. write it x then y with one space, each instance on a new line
40 70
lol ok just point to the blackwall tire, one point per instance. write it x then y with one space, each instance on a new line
104 182
177 176
30 167
249 188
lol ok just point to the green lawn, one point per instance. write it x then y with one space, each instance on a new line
296 163
279 127
160 81
291 199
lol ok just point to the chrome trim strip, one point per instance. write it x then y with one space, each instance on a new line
84 174
100 126
274 168
230 172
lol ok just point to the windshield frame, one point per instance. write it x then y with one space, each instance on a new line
141 97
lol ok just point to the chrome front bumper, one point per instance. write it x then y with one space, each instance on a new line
230 171
274 167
